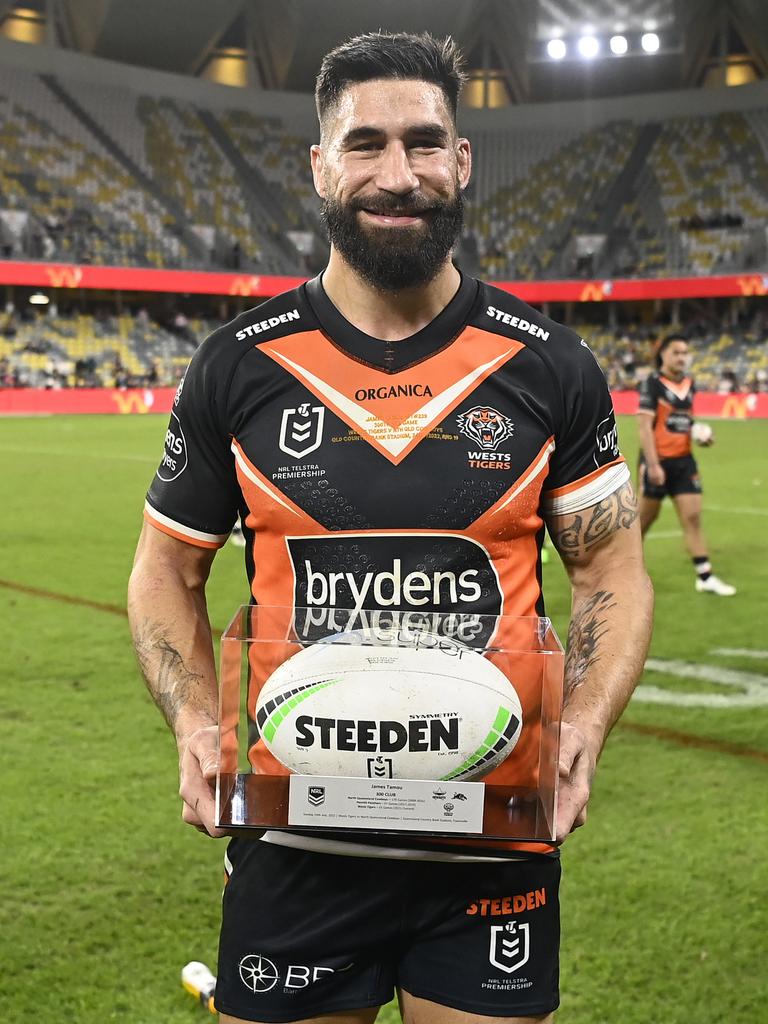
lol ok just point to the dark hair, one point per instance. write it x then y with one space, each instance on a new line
661 345
399 55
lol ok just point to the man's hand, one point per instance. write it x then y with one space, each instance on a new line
655 473
576 768
198 761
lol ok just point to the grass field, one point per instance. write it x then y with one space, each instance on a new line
105 894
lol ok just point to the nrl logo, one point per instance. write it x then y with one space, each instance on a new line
316 795
486 426
301 430
510 946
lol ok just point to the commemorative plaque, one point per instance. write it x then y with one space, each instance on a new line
429 724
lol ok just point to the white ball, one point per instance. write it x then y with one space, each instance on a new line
701 433
416 712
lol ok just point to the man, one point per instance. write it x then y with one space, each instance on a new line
390 412
667 466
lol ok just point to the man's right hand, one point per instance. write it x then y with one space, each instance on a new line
655 474
198 761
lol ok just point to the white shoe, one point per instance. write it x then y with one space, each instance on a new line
236 537
714 585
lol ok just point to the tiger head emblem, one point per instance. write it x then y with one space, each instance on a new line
486 426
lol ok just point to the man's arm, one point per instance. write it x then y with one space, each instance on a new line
608 637
172 637
653 467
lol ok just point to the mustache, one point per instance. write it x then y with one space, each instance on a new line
391 206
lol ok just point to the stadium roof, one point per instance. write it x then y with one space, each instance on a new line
281 44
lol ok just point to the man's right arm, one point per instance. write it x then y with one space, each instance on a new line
653 467
172 637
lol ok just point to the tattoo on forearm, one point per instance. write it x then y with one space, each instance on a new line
578 534
168 679
587 627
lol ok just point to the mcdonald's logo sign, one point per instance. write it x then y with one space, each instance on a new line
64 277
592 292
245 285
753 285
129 402
736 407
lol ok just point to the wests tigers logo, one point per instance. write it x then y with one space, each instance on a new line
486 426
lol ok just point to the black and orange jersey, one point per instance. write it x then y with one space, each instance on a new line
671 405
412 476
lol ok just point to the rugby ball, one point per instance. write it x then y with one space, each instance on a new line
428 711
702 433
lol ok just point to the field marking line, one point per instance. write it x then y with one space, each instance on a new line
737 511
751 690
662 534
59 452
83 602
686 739
739 652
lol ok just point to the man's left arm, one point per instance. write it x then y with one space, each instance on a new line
608 637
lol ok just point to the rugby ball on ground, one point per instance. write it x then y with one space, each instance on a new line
414 712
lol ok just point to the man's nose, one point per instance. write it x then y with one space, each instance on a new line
394 173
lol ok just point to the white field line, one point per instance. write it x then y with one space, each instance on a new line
61 452
662 534
737 511
750 690
739 652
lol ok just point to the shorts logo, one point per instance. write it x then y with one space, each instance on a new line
258 973
510 946
316 795
486 426
301 430
380 768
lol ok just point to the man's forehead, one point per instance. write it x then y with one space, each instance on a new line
390 104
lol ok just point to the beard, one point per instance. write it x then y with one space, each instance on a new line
392 259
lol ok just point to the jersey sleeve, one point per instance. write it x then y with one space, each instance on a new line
648 399
194 495
586 465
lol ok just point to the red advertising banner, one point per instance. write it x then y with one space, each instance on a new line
200 282
39 402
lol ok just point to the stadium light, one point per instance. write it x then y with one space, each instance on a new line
588 47
38 299
556 49
649 42
619 45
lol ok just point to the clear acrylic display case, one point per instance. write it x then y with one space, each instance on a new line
515 801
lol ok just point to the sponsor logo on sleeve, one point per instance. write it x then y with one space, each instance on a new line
175 457
606 441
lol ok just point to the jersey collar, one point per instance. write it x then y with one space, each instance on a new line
393 356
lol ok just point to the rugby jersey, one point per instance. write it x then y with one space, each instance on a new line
671 405
411 476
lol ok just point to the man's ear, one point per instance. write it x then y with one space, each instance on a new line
464 162
317 160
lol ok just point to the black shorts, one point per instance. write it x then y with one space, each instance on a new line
681 477
307 933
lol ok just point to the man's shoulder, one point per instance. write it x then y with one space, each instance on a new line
502 312
287 313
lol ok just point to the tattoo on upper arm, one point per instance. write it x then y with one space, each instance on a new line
577 534
168 678
586 628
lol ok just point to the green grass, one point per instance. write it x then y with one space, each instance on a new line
105 894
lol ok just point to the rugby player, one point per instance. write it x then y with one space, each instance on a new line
667 466
392 418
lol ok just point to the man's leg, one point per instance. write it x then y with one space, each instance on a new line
688 508
341 1017
422 1011
649 513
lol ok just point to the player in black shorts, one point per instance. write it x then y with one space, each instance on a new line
667 466
392 418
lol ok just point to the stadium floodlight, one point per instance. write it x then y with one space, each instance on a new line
619 45
650 42
38 299
556 49
588 47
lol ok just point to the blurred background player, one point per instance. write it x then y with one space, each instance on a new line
667 466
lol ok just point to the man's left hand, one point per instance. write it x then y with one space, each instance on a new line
576 767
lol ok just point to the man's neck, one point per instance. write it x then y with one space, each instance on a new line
388 316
